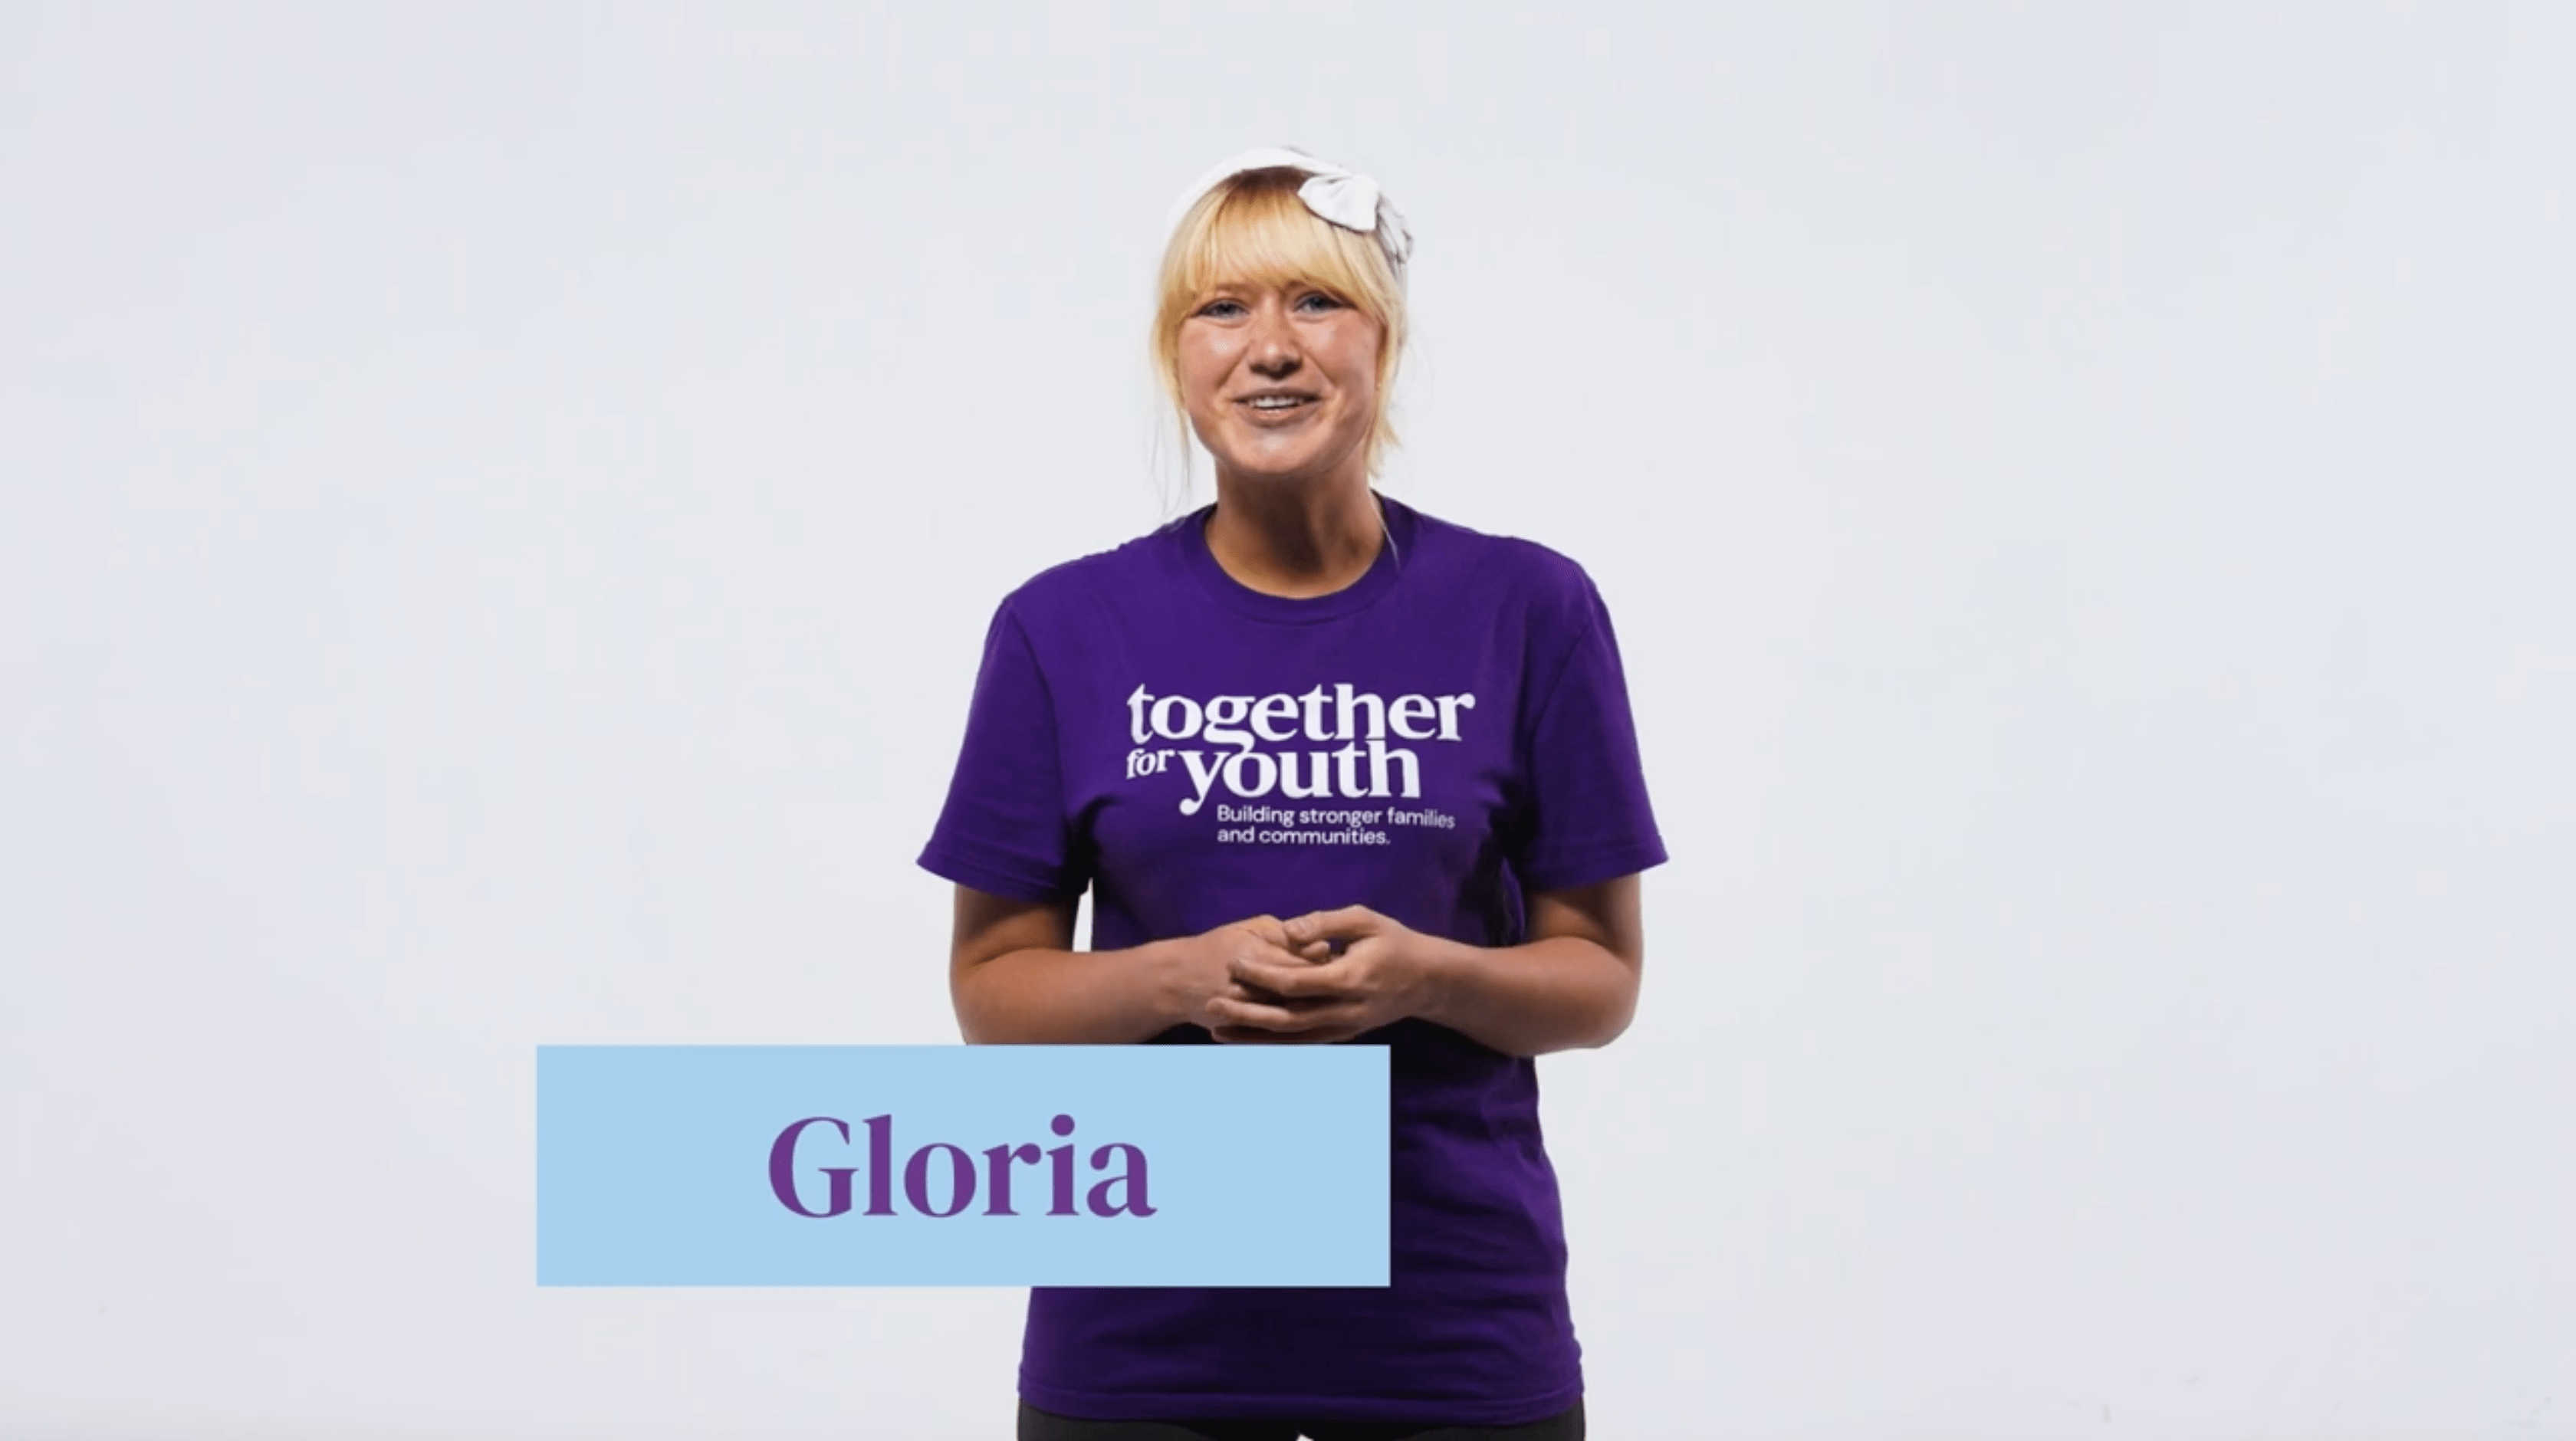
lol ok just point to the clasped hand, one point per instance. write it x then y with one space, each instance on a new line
1321 977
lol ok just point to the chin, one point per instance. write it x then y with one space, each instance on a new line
1276 467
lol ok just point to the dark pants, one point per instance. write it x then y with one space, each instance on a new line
1037 1425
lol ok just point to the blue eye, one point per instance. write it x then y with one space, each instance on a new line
1314 298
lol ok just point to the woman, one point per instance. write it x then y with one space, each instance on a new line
1332 770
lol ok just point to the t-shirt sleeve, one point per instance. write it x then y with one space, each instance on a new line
1003 828
1588 818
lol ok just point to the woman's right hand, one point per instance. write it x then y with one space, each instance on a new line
1207 961
1016 980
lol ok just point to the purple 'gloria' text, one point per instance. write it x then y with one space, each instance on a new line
1120 1192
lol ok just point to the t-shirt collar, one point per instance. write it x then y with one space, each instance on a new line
1234 595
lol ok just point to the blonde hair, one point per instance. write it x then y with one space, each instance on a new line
1252 229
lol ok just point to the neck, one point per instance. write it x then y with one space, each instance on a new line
1296 539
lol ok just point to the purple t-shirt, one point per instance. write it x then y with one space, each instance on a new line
1430 741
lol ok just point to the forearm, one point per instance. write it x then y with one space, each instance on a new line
1557 994
1040 996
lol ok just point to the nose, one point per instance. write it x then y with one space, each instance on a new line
1274 352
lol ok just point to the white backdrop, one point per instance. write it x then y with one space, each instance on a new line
502 502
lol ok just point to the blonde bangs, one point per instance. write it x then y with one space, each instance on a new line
1262 234
1257 232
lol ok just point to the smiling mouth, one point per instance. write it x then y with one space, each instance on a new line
1275 409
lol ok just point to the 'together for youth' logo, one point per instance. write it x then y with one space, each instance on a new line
1233 727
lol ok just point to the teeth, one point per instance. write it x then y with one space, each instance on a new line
1281 402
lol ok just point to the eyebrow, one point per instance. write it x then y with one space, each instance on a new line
1224 289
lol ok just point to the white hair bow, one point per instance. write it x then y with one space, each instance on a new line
1344 197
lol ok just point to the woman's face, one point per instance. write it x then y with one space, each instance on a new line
1314 355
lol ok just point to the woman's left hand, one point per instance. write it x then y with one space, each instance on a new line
1378 978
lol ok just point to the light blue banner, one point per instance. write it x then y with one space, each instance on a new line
962 1165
